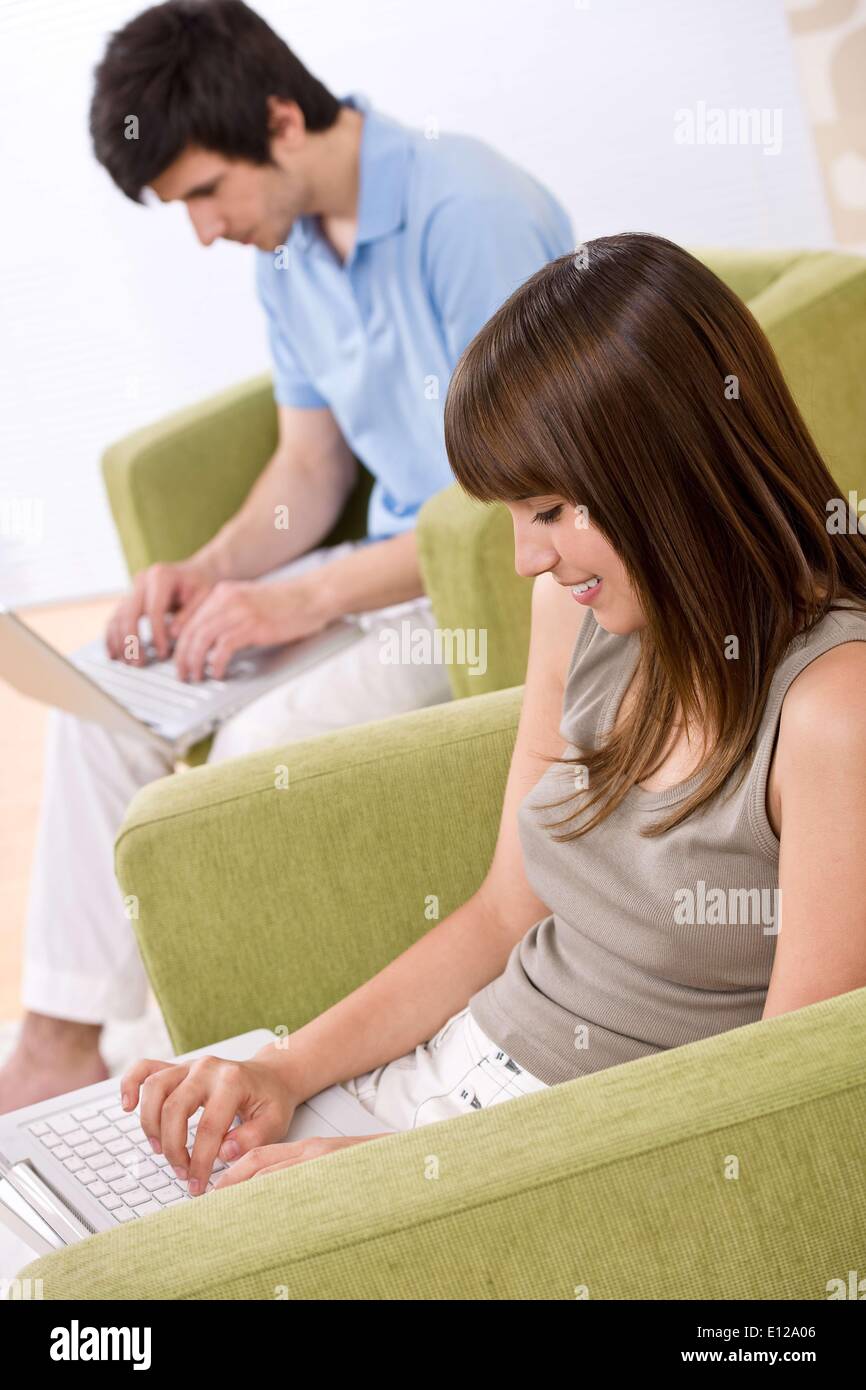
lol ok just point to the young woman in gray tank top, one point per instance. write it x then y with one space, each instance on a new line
689 760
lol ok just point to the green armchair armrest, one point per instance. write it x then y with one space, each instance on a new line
727 1169
243 922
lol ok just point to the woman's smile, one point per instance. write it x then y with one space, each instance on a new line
589 591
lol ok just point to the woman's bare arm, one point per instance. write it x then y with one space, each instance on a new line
820 756
410 1000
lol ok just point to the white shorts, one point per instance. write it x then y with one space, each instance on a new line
458 1070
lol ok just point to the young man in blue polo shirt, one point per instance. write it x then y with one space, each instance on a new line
379 255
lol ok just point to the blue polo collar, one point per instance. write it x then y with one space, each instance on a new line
383 157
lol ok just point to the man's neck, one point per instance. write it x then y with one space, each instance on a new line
338 192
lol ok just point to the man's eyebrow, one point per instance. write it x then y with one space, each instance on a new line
201 190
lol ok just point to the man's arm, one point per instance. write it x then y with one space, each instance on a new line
375 576
310 476
235 615
304 484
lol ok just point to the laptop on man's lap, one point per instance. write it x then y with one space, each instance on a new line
151 702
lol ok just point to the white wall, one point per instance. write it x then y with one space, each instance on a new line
114 315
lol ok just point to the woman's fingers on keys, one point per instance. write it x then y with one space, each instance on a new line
253 1161
218 1114
178 1107
130 1082
205 1078
155 1089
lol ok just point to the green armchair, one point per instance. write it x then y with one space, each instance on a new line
726 1169
173 484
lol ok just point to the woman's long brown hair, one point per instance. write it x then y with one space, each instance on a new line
629 379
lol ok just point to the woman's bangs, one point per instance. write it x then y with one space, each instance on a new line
492 435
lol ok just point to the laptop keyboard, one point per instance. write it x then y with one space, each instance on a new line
106 1150
152 691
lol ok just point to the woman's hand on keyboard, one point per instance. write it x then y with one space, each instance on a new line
269 1158
172 1092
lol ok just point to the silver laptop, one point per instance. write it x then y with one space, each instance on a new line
80 1163
151 701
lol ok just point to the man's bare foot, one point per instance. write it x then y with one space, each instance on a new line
51 1056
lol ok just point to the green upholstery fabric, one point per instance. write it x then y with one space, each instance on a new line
466 551
328 874
620 1182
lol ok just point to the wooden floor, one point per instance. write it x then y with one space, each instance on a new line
22 731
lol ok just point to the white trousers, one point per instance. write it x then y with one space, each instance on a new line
459 1070
81 957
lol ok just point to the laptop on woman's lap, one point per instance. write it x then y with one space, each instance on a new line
79 1163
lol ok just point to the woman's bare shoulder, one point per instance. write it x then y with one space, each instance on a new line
829 688
822 728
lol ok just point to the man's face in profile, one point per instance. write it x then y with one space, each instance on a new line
231 198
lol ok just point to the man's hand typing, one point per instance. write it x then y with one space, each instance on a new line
163 594
238 614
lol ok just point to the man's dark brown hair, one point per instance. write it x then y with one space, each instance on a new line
195 72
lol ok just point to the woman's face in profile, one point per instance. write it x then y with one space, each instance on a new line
552 534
